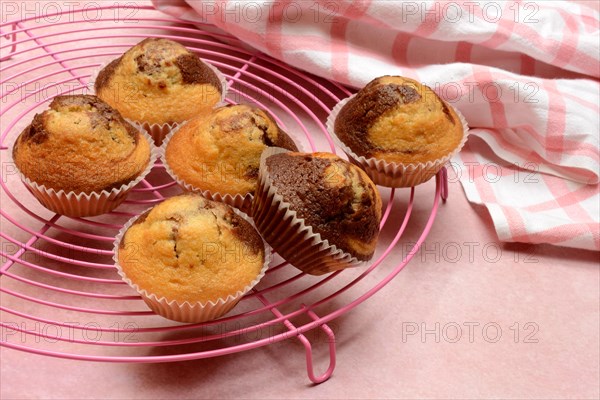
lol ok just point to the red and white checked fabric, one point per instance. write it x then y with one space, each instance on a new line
524 74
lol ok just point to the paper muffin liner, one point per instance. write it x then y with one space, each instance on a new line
188 312
72 204
159 131
288 234
393 174
239 201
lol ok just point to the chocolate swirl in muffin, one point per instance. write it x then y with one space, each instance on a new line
159 81
333 196
399 120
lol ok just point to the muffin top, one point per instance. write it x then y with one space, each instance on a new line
81 144
159 81
399 120
333 196
188 248
220 150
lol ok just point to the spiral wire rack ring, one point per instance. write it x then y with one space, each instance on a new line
84 280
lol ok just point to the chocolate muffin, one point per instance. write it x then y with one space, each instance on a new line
81 145
159 81
398 120
331 196
190 258
219 151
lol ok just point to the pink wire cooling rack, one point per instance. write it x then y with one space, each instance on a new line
61 296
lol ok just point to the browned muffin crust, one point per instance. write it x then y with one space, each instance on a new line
34 133
332 210
244 232
229 140
282 140
44 155
356 117
193 70
255 116
240 228
140 219
104 115
188 248
360 113
37 133
106 73
159 81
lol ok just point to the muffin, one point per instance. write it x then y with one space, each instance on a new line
159 82
318 211
191 259
80 157
398 130
218 153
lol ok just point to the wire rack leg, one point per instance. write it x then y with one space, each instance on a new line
308 348
307 345
13 38
443 176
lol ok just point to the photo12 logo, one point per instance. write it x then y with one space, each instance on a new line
471 332
468 11
526 172
91 332
39 92
451 252
51 12
252 12
490 92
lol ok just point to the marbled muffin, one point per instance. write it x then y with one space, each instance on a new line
81 145
192 259
159 81
398 120
220 151
332 196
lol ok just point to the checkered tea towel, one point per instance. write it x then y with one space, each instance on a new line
524 74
